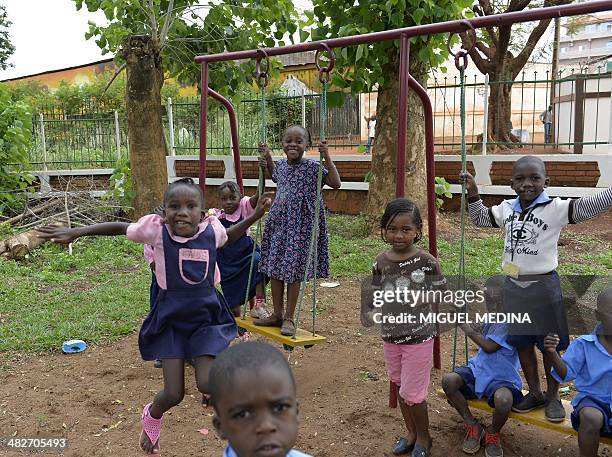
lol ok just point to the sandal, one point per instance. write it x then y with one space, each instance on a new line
205 401
271 321
288 327
402 446
152 428
420 451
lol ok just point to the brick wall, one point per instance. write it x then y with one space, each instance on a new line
92 182
353 171
561 174
450 170
191 168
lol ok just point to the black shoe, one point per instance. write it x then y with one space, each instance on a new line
554 411
157 363
420 451
402 447
529 403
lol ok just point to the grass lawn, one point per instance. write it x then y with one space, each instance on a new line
100 293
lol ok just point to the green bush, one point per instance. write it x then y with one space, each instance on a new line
15 136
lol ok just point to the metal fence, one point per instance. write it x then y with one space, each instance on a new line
582 108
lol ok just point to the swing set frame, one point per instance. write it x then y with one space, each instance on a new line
406 81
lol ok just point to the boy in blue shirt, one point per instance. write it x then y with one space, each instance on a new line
253 393
492 373
588 361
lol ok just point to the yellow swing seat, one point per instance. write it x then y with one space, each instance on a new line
535 417
301 338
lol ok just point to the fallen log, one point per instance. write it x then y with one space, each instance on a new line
19 246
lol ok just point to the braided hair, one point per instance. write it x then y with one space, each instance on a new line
397 206
231 185
189 182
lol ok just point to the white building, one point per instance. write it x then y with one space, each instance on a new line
586 43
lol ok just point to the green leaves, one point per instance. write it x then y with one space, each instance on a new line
15 136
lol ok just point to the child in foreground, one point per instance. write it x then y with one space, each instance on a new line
532 224
588 362
493 373
260 422
189 319
408 348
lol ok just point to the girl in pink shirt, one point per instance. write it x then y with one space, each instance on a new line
189 319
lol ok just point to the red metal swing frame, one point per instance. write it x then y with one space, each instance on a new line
405 80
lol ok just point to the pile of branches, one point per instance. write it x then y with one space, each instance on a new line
65 208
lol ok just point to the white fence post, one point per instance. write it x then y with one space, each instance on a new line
485 119
43 141
171 126
303 109
117 135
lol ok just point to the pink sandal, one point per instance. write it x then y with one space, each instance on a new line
152 427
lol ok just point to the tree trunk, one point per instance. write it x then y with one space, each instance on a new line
384 157
145 79
500 108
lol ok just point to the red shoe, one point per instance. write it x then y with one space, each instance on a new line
493 445
473 436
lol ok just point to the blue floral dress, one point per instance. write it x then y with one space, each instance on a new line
286 239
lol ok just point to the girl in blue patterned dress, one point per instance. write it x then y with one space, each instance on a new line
286 239
189 318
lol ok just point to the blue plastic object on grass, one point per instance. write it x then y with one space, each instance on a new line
74 346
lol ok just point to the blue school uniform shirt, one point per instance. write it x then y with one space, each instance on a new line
229 452
501 365
590 365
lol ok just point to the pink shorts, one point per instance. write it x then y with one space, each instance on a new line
409 366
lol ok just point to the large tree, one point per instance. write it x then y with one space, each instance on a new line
366 67
156 38
6 47
501 53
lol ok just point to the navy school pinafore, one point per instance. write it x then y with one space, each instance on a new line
190 318
234 263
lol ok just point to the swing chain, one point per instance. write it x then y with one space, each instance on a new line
262 74
462 53
325 70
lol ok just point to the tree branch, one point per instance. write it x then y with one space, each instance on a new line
519 61
486 10
517 5
484 66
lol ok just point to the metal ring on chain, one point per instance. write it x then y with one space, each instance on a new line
469 27
461 54
324 72
262 75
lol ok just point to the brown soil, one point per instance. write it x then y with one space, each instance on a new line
95 398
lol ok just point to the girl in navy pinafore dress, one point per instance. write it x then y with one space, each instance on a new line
235 259
189 318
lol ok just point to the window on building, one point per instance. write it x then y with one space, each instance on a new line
591 28
563 50
609 45
582 47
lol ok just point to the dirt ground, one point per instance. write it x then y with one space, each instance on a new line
95 398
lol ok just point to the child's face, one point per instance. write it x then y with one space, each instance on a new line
258 413
528 181
183 208
229 200
604 315
295 143
401 232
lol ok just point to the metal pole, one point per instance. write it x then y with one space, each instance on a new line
402 123
485 119
303 109
171 126
43 140
610 117
117 135
203 124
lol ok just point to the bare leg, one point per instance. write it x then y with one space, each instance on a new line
452 383
552 384
529 364
236 311
278 296
171 395
591 421
293 292
260 290
420 418
410 425
503 404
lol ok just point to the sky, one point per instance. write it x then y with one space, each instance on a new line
48 35
54 36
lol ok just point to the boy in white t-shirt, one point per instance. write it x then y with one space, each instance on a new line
532 224
371 132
